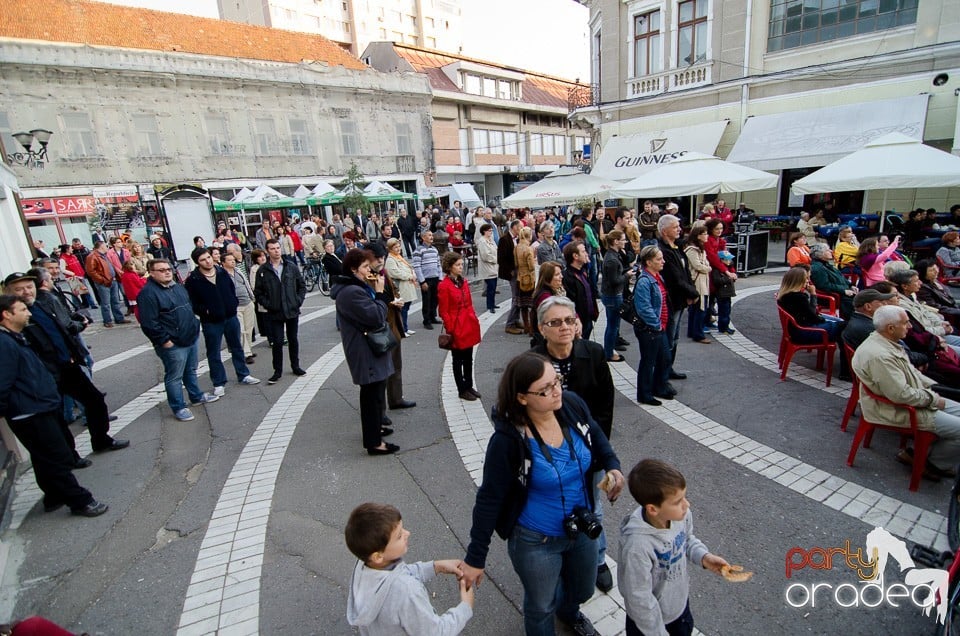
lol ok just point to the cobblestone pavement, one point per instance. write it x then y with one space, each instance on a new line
232 523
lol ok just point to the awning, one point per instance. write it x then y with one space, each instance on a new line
820 136
630 156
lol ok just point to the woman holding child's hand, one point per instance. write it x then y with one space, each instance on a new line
537 493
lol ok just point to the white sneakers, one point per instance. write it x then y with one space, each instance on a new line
184 415
219 391
409 332
249 379
206 399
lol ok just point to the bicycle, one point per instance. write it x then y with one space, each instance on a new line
315 276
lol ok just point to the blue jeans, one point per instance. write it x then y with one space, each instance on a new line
598 497
213 334
109 298
654 370
180 367
492 293
612 331
404 313
723 314
673 333
695 320
557 573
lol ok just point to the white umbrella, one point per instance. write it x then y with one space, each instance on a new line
696 173
323 188
565 186
302 192
891 161
242 195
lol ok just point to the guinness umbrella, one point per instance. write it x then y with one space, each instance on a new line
696 173
891 161
565 186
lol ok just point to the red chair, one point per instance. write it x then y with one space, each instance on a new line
788 347
921 439
854 398
852 278
948 275
829 303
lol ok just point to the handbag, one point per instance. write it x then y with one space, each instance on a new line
627 311
445 340
381 339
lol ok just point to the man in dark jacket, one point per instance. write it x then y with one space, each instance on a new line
676 278
280 290
54 337
507 270
30 403
407 225
579 285
214 300
166 318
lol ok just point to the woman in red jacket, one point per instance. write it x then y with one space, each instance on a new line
716 244
460 321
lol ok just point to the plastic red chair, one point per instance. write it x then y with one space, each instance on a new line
948 275
788 347
854 398
829 303
921 439
852 278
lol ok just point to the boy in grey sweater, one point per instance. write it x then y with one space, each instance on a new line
657 541
387 596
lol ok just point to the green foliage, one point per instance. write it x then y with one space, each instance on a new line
353 185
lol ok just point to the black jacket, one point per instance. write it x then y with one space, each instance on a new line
212 303
676 277
166 314
407 226
280 298
590 379
506 477
506 263
26 386
577 292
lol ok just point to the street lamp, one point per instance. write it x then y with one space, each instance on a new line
31 158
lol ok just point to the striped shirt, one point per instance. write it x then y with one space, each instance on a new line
426 263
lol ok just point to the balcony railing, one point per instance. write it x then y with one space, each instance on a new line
676 79
581 96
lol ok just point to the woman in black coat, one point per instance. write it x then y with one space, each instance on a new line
359 311
797 297
934 294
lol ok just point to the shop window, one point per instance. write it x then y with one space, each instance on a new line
647 46
78 131
796 23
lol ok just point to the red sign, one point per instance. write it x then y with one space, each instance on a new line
61 206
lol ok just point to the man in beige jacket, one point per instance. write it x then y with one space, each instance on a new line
882 365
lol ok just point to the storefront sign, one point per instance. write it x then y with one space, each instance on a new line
60 206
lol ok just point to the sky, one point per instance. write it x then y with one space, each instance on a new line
494 30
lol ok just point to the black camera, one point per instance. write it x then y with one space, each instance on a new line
582 520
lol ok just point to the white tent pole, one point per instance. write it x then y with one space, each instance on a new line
865 208
883 210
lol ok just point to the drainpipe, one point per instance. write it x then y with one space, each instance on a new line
745 87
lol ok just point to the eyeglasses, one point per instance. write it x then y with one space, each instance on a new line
161 269
556 384
570 321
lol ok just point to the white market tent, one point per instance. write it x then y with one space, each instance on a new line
302 192
242 195
322 188
891 161
696 173
565 186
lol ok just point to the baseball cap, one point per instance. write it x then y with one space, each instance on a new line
16 277
868 296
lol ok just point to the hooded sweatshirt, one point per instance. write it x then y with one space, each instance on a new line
394 601
653 575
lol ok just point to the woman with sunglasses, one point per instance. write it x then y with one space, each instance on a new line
537 493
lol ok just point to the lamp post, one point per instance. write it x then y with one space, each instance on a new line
31 158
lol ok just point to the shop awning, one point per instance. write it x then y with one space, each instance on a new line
629 156
820 136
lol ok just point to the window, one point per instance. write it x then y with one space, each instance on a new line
548 144
481 142
9 142
647 47
489 87
796 23
81 141
349 141
299 138
559 145
431 43
218 140
383 34
692 39
146 136
265 135
504 90
429 22
471 84
510 143
464 139
496 142
404 144
536 144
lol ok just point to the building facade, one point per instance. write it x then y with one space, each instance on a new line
781 85
496 127
353 24
189 100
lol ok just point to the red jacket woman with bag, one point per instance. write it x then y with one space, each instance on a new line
455 307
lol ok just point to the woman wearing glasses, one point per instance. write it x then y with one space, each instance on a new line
537 493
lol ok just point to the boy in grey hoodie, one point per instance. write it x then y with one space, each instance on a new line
387 596
657 540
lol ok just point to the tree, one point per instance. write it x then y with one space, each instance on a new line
353 184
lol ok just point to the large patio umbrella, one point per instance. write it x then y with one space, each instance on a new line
891 161
565 186
695 173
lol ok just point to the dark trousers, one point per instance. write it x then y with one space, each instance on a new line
410 245
654 370
372 407
723 313
75 383
463 368
683 626
262 324
52 460
275 335
673 332
429 308
492 293
395 381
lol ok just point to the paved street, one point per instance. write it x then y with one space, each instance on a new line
233 522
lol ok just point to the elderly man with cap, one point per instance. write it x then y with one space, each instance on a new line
54 335
30 403
860 324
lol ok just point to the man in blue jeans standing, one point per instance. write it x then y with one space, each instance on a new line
166 318
214 300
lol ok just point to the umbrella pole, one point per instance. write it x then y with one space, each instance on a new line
883 210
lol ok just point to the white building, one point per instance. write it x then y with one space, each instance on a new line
782 85
433 24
